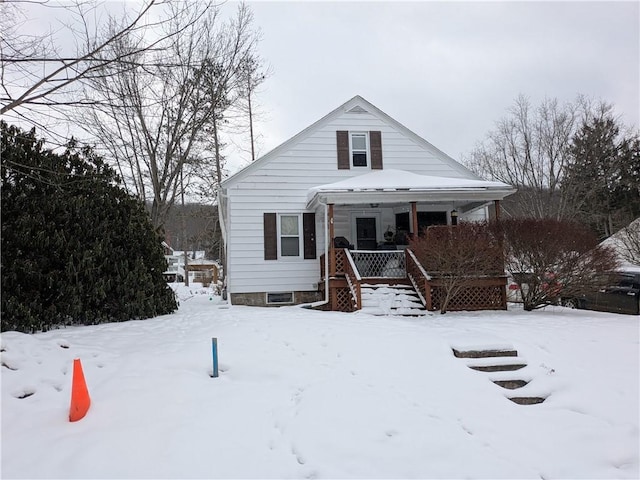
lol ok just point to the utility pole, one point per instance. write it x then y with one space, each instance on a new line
253 151
184 233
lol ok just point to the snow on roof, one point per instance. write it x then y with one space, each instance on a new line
616 242
401 180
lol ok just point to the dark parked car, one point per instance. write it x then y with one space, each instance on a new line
622 296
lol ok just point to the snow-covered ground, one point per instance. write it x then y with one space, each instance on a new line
308 394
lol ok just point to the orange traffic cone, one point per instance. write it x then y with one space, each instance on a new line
80 400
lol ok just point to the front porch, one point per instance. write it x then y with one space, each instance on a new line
350 270
369 220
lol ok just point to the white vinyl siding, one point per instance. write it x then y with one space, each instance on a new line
281 183
248 271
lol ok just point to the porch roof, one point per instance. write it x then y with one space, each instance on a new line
392 186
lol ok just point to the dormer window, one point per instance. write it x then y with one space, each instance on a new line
359 149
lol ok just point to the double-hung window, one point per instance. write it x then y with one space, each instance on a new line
359 149
289 235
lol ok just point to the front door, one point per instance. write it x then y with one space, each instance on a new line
366 234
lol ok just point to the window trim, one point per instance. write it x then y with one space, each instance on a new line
367 150
300 237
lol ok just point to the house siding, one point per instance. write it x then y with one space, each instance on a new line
281 186
248 270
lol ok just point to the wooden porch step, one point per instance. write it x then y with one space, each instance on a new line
384 299
392 303
403 312
398 286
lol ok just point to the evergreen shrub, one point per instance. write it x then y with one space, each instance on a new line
76 247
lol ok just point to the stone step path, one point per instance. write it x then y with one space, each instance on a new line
527 400
485 353
510 384
502 361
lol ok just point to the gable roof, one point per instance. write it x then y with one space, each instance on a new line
356 103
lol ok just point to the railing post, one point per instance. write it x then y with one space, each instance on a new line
419 278
353 279
330 220
427 295
503 296
358 295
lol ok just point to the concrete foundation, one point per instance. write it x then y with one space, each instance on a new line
259 299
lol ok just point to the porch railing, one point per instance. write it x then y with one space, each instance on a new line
353 280
368 263
419 278
349 268
336 263
379 264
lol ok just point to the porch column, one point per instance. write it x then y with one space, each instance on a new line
330 220
414 219
496 203
332 252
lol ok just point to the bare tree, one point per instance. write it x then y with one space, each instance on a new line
551 259
38 76
530 149
154 117
457 257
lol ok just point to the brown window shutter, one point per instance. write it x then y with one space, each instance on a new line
342 140
270 237
309 231
375 141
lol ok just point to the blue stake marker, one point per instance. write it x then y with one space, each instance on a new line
214 349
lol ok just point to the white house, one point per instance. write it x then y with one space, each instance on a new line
355 178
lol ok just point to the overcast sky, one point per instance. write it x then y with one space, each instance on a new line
446 70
